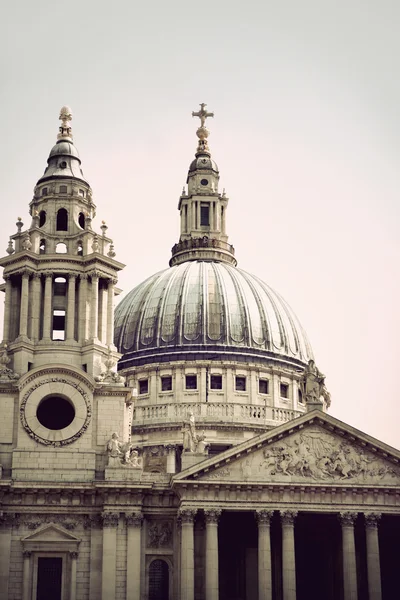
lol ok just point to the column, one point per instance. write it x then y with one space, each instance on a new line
6 522
212 584
110 312
72 590
373 559
288 555
171 458
187 554
133 554
264 554
47 312
347 520
110 524
83 281
94 309
26 576
23 315
71 308
7 309
36 298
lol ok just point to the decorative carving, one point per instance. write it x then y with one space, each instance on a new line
58 443
264 516
347 519
26 242
111 252
122 454
73 555
288 517
62 520
10 248
109 376
134 519
372 520
65 127
159 534
10 519
95 243
212 515
187 515
6 374
26 554
110 519
192 441
218 474
318 455
312 384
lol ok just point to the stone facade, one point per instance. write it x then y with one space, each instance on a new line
116 489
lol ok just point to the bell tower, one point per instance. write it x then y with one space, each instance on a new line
203 209
57 357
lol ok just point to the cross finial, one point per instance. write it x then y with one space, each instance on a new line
202 114
65 118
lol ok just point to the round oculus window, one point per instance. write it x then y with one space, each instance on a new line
204 182
55 412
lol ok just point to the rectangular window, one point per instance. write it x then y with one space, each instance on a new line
284 390
300 396
191 382
49 578
63 189
216 382
144 386
204 215
58 325
240 384
263 386
82 193
166 383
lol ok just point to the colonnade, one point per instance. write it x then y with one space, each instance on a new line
94 320
288 520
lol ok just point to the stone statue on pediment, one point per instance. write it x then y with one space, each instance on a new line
312 384
192 441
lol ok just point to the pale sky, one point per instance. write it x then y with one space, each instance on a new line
306 97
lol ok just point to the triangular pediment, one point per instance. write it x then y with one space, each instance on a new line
315 448
51 533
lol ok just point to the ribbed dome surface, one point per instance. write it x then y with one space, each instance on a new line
208 306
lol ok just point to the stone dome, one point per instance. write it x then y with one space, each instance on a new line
203 162
63 162
204 309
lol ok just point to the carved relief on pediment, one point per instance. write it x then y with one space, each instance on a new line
313 455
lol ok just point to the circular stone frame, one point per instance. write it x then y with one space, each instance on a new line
55 386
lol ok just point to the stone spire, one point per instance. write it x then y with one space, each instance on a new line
203 208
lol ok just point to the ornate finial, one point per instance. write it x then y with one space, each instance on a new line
65 128
202 132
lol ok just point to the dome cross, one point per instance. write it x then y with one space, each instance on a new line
203 114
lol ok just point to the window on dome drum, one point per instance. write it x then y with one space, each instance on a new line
143 386
216 382
204 215
42 218
263 386
240 383
44 191
191 382
62 220
63 189
284 390
166 383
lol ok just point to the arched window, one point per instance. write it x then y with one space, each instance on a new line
79 248
81 220
42 218
61 248
62 220
158 580
42 247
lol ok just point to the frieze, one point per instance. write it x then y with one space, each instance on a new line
39 520
159 534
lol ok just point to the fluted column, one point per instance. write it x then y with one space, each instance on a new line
373 558
83 288
94 315
7 309
288 555
72 590
110 524
23 314
171 458
26 592
71 308
36 298
47 312
187 553
347 520
110 311
212 584
133 553
264 554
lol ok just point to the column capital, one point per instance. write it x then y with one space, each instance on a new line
36 276
73 555
48 275
26 554
347 519
372 520
83 276
134 519
212 515
72 275
264 516
110 519
288 517
95 274
112 281
187 515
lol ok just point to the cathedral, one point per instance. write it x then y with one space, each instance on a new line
178 446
